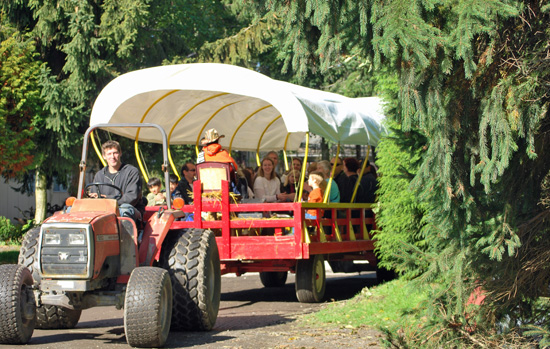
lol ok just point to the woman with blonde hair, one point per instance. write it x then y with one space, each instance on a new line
267 185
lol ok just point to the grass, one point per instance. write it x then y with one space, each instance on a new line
9 254
391 306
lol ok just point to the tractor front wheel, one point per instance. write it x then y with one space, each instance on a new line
47 316
148 307
17 305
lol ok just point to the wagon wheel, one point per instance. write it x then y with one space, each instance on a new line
311 279
273 278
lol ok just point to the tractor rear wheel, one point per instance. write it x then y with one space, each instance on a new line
17 305
194 267
47 316
52 317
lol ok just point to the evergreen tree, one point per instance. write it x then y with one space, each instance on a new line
85 44
473 79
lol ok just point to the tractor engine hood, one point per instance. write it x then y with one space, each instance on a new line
77 217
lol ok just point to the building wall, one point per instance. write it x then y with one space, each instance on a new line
10 200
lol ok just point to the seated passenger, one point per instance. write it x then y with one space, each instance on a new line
340 177
368 185
267 186
185 185
296 166
174 191
317 182
351 165
244 185
324 167
274 156
250 175
155 197
312 167
290 185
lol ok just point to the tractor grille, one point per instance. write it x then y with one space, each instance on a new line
65 250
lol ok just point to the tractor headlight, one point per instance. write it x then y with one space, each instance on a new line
52 239
77 239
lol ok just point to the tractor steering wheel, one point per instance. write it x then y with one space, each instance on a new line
97 185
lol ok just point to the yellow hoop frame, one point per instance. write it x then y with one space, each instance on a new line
330 180
179 120
262 136
243 122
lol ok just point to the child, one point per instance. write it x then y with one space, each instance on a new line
318 183
174 192
155 197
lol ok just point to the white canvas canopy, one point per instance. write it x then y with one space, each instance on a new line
252 110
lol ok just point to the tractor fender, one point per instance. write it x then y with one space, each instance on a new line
154 234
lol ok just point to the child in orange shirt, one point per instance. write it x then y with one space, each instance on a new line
317 181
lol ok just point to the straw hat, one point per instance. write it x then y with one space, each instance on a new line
210 136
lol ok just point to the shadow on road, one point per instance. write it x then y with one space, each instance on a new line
339 287
98 335
224 326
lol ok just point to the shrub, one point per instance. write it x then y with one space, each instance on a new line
11 233
401 212
7 230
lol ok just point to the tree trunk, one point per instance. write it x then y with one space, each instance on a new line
41 197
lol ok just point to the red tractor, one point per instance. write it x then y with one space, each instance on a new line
89 256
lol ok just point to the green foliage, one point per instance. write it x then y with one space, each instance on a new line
391 305
9 257
400 216
244 47
473 79
85 44
11 233
144 33
7 229
20 103
395 308
539 331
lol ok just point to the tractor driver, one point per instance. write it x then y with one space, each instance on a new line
124 176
